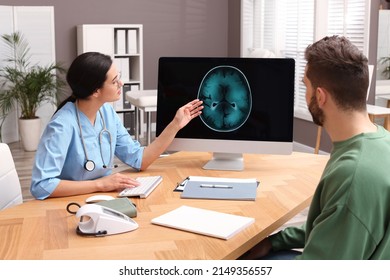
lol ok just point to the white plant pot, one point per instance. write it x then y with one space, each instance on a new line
30 133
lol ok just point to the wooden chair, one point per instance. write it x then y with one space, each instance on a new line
318 140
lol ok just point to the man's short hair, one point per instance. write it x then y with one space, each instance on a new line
337 65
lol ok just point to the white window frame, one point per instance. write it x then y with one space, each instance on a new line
320 29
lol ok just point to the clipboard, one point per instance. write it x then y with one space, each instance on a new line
220 188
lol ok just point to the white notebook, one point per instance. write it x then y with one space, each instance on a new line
206 222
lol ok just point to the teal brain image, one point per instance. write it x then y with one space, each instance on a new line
226 97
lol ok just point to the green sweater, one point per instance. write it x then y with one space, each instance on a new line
349 217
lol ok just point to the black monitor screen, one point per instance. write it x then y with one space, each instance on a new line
244 98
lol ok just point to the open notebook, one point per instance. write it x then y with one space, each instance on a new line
206 222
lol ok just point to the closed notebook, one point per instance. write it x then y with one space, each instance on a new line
239 189
205 222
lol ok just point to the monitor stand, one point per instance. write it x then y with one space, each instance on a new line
225 161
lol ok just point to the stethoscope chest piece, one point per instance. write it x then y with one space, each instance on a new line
89 165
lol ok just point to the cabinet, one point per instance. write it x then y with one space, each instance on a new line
36 23
123 42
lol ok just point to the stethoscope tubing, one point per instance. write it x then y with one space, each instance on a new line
90 164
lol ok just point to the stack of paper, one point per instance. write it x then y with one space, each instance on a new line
206 222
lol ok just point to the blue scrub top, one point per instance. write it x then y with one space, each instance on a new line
60 154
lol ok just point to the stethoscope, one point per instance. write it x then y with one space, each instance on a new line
90 164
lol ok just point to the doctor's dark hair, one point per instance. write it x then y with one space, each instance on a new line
337 65
86 74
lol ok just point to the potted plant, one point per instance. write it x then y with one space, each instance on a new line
386 70
26 87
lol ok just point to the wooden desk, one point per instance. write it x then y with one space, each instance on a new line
45 230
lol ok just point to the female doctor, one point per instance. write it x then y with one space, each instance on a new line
76 151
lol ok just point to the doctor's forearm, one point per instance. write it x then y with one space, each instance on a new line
159 145
69 188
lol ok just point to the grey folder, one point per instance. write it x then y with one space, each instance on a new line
229 191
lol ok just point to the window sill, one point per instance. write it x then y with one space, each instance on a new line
304 115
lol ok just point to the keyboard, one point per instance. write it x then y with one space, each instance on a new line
147 185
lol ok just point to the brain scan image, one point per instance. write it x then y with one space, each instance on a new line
226 97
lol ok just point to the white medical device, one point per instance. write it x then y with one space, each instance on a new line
98 220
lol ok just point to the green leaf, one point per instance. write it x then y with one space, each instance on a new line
25 85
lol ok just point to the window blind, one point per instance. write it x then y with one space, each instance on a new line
287 27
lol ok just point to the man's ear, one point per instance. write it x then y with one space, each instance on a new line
322 96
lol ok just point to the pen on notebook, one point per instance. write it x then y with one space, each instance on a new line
215 186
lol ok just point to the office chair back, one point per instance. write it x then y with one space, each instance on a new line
10 189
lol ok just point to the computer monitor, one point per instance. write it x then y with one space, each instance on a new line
248 106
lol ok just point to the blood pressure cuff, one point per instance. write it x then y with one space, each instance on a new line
123 205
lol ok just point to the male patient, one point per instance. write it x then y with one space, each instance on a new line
349 217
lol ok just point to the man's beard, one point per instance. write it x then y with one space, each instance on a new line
316 113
